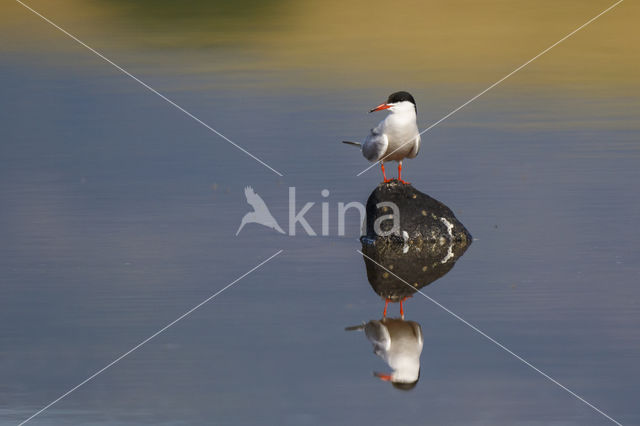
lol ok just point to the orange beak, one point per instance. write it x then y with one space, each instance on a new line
381 107
382 376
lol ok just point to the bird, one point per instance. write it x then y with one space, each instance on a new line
260 213
399 343
396 137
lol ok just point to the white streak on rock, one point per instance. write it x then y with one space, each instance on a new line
449 254
449 226
405 238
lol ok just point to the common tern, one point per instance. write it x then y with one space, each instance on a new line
396 137
399 343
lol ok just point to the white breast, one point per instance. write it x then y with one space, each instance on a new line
402 134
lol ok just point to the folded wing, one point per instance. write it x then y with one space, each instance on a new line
375 144
378 335
415 148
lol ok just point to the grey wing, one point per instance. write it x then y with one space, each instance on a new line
417 331
378 335
415 149
375 144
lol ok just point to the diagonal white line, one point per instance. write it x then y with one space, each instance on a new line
190 311
500 345
146 86
501 80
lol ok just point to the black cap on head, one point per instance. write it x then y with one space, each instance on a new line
406 386
401 96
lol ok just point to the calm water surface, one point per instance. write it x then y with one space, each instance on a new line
119 214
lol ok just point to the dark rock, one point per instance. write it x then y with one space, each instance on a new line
422 219
397 271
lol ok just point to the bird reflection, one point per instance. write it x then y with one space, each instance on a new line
399 344
396 272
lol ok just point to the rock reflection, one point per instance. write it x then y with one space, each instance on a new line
395 272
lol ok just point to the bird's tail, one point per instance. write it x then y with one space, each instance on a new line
358 327
352 143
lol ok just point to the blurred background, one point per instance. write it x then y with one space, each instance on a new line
119 212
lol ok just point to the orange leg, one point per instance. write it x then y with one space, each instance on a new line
400 173
386 303
384 175
402 307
